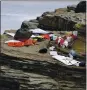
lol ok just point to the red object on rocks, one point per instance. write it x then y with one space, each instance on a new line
16 44
28 42
57 40
46 36
61 41
74 37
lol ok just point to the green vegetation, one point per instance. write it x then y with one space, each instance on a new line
2 36
78 26
79 45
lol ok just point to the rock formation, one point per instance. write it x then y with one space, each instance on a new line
20 74
21 70
64 21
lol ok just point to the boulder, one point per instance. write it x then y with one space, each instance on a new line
45 13
81 7
33 24
22 34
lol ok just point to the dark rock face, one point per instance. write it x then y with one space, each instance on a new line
56 23
81 7
32 24
48 22
62 20
22 34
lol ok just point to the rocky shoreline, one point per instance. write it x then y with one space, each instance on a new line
56 75
21 70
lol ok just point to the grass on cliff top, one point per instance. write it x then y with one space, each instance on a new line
3 36
78 26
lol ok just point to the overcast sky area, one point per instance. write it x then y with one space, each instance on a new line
14 12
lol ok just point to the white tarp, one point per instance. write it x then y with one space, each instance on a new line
11 34
33 36
12 41
66 60
39 31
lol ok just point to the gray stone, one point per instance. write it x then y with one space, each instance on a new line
29 24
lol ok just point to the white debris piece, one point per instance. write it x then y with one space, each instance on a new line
66 60
39 31
51 48
11 34
53 53
12 41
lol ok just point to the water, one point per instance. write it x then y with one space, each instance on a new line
14 12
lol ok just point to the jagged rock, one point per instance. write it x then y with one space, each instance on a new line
45 13
62 20
81 7
48 22
32 24
71 7
22 34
